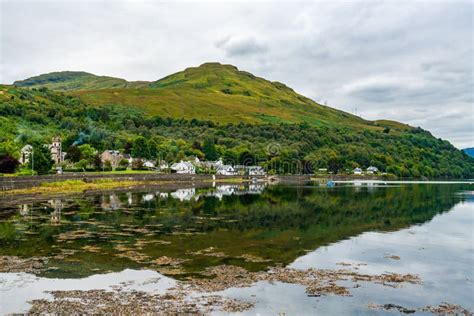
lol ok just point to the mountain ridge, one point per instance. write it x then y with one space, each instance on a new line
76 80
212 91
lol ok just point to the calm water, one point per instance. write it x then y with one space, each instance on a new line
101 240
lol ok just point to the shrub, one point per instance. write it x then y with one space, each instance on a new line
8 164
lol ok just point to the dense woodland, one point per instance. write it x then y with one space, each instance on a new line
33 116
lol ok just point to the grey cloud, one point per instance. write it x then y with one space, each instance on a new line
235 46
407 60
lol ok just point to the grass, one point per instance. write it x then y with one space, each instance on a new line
73 186
121 172
76 186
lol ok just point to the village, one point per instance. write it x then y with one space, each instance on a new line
115 160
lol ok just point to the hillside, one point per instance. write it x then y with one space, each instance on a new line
212 91
33 116
76 80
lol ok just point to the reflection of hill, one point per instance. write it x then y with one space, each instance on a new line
280 224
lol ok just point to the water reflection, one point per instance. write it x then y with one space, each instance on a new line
57 206
221 224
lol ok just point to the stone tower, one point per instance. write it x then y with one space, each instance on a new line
56 150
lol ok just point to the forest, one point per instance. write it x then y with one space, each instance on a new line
33 116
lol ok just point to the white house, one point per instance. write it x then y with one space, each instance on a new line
163 165
112 156
226 170
357 171
149 164
208 164
25 154
256 171
183 167
372 170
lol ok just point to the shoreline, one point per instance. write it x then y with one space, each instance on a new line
24 182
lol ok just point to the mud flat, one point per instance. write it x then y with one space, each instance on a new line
202 295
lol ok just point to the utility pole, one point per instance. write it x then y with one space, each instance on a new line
32 161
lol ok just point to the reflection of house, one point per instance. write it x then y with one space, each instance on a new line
57 205
113 156
148 197
164 195
56 150
183 194
25 154
183 167
110 202
129 198
357 171
24 209
372 170
256 188
226 170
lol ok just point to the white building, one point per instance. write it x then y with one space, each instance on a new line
208 164
357 171
256 171
25 154
226 170
183 167
163 165
148 164
372 170
112 156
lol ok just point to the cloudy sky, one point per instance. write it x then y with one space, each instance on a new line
408 61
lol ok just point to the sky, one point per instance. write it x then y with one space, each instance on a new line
409 61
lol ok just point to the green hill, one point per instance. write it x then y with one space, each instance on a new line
212 91
76 80
215 111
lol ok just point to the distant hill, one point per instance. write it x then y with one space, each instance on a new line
212 91
469 151
76 80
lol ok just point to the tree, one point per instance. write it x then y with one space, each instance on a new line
87 152
140 148
96 162
42 161
137 164
197 145
8 164
73 153
209 149
8 147
123 163
335 164
107 166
